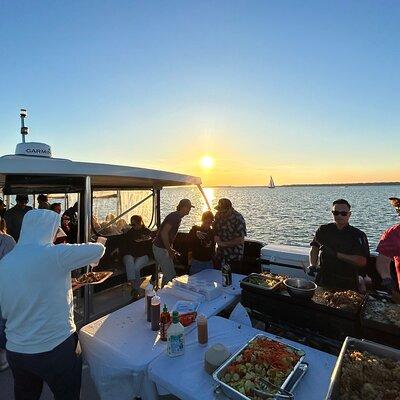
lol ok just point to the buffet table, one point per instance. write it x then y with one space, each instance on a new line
119 346
184 376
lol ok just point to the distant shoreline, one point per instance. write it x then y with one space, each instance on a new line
311 185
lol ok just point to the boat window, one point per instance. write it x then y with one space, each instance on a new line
111 214
113 209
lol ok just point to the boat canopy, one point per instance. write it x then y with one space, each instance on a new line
102 175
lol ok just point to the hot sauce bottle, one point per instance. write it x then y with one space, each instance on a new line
165 322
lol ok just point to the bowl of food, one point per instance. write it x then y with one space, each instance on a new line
300 288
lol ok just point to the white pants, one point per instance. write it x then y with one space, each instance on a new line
133 267
166 264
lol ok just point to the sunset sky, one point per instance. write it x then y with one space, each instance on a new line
305 91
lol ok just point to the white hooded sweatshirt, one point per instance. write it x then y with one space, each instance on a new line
35 284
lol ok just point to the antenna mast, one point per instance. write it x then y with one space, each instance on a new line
24 129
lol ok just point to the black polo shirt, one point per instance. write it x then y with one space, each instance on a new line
349 240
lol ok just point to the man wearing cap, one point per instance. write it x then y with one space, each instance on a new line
15 215
343 250
389 249
230 231
164 253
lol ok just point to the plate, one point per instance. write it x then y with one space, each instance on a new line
97 277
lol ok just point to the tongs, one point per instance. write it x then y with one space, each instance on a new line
280 394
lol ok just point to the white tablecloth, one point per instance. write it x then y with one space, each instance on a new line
119 346
184 376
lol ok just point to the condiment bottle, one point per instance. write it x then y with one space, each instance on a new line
202 329
149 294
226 275
155 312
165 322
175 337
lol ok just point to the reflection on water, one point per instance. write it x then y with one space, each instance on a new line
210 194
290 215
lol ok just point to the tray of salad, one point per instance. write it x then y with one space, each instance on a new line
261 361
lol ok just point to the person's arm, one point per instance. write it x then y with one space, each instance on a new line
360 252
359 261
231 243
74 256
190 245
383 266
313 256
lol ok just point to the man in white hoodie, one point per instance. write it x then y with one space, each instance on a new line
37 302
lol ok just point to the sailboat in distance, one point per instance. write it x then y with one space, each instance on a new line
271 184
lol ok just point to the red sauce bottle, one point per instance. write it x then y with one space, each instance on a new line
165 322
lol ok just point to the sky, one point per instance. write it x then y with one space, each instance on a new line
305 91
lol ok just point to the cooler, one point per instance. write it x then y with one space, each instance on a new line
285 260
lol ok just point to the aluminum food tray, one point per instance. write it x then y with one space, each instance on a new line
245 283
375 324
351 314
234 394
362 345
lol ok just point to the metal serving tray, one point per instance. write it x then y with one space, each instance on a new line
234 394
245 283
362 345
352 314
377 325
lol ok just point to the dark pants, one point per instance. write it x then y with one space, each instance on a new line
60 368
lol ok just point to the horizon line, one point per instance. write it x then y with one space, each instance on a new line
394 183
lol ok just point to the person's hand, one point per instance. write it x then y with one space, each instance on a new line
312 270
388 285
201 235
173 253
328 252
75 284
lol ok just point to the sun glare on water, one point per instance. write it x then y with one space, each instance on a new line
207 162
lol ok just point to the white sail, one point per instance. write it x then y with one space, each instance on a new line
271 183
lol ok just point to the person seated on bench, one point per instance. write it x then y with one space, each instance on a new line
136 251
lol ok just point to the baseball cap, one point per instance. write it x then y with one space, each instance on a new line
185 203
223 205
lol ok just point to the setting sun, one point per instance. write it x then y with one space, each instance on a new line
207 162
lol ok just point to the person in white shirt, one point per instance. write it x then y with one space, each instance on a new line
37 303
7 243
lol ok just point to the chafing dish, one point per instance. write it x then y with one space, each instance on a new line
298 371
362 345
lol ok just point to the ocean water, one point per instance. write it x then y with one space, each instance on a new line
291 215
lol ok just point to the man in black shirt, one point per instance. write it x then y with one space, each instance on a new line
343 250
16 214
202 244
164 253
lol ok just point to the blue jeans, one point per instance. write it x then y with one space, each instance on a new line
2 332
198 266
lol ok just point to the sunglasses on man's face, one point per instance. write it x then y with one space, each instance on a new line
342 213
